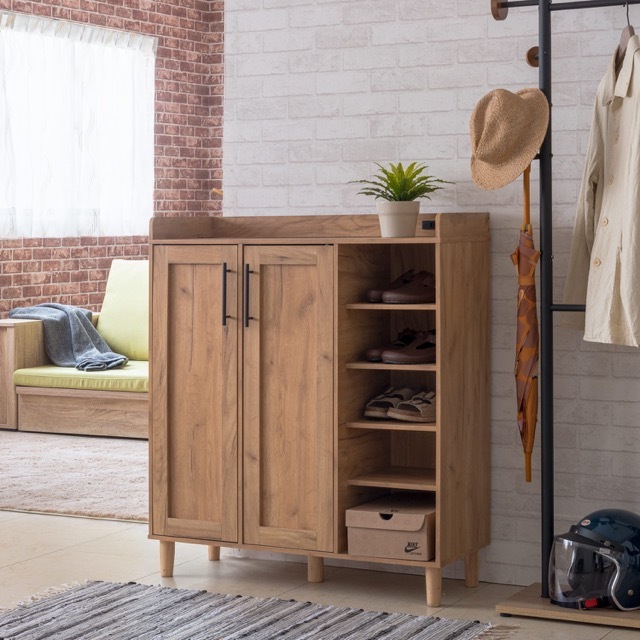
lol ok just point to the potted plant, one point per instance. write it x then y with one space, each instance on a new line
397 191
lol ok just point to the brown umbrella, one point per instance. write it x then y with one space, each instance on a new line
525 258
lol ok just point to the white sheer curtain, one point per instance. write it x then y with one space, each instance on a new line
76 129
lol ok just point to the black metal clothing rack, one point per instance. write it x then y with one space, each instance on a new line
547 306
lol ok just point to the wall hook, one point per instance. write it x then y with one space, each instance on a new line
498 11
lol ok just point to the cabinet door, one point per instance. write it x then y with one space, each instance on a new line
194 400
288 397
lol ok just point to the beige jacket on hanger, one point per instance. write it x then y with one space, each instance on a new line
604 265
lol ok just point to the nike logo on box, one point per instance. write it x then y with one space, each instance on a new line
412 546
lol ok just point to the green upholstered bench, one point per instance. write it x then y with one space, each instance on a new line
36 395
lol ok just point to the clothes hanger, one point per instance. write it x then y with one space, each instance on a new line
627 32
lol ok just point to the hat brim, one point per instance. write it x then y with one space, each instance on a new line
492 176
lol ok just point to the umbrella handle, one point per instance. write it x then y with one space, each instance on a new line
527 466
527 198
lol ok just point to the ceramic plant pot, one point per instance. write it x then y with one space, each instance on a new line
398 219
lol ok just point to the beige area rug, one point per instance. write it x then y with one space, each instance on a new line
74 475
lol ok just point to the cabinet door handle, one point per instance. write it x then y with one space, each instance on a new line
225 270
247 317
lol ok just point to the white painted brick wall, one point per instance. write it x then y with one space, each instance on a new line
317 90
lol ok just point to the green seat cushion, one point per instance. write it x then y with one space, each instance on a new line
124 317
134 376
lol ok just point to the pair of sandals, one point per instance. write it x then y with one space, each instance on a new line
404 404
410 288
409 347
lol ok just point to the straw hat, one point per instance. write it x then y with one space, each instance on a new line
507 130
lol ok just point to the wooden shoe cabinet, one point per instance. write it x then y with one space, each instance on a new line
258 384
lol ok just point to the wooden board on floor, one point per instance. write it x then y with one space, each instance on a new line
529 604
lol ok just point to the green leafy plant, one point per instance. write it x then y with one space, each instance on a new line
399 184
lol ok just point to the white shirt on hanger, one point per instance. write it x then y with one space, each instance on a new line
604 265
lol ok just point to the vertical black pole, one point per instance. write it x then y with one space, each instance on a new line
546 301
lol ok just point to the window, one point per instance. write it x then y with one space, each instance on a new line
76 129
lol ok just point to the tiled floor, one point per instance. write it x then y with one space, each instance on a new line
39 551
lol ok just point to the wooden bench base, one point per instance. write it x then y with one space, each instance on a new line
77 411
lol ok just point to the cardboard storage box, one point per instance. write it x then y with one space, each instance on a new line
399 526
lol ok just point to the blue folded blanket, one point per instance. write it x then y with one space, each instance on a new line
70 339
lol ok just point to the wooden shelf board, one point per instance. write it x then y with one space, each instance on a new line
415 563
383 366
529 604
393 425
427 237
381 306
398 478
339 555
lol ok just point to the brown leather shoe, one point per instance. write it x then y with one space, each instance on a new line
375 295
421 289
421 350
405 337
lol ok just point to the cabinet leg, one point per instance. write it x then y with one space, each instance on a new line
167 555
433 579
315 569
214 552
471 569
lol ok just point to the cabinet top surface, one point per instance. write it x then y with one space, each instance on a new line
329 229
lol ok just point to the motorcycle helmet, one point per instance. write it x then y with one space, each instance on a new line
597 563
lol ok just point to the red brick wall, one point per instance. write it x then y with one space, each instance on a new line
65 270
188 145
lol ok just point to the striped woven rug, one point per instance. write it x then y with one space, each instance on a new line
100 610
